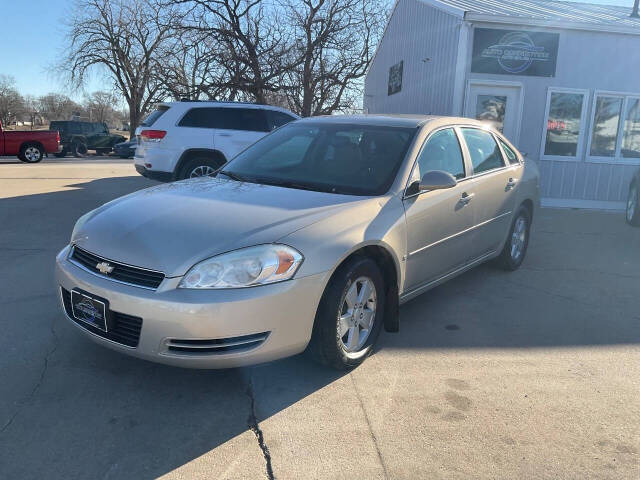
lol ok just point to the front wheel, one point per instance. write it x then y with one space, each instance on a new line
350 315
31 153
633 206
515 248
199 167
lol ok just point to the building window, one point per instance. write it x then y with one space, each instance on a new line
563 128
631 132
615 128
604 132
395 78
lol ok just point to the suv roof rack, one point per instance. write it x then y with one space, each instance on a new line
218 101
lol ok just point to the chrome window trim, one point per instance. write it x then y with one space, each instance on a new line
79 265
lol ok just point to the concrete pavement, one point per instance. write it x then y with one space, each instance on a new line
532 374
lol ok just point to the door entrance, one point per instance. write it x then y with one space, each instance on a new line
497 103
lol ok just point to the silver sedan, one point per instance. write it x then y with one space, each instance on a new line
308 240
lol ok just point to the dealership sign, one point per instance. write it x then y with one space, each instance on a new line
514 52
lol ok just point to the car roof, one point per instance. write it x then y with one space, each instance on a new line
391 120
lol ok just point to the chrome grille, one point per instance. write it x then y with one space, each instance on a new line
136 276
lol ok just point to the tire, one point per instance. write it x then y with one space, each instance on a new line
515 248
31 153
79 150
199 167
327 346
632 213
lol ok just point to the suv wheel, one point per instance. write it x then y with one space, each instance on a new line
199 167
79 150
31 153
350 315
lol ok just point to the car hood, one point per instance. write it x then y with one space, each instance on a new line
173 226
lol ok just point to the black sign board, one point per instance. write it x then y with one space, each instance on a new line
395 79
514 52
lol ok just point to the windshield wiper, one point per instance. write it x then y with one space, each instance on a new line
233 176
299 186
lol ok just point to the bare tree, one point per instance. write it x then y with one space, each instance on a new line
56 106
335 43
253 44
123 38
11 102
100 106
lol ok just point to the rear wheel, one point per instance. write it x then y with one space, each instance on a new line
633 206
31 153
515 248
350 315
199 167
79 150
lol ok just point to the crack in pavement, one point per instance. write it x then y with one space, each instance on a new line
252 421
43 372
366 417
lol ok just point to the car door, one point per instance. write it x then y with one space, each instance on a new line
438 221
238 128
197 128
494 183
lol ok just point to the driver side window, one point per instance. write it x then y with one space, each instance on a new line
441 152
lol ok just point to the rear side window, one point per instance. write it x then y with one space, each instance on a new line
248 119
512 158
154 116
484 151
277 119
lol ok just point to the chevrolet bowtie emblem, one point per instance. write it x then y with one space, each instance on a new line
104 267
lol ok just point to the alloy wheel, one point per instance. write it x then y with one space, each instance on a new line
518 238
202 171
357 314
32 154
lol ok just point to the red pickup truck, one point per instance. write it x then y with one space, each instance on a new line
29 146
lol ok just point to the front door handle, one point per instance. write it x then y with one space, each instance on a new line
466 198
511 183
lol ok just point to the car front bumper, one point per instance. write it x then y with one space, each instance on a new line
193 319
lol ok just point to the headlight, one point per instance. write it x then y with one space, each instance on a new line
244 268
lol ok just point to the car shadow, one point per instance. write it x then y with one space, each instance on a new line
70 409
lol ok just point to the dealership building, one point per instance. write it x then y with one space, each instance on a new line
560 79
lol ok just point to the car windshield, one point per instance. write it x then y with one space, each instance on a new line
338 158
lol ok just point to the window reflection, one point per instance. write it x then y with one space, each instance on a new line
491 108
563 124
605 126
631 135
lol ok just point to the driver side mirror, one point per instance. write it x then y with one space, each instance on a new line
437 180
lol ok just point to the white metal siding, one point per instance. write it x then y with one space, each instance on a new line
416 32
586 60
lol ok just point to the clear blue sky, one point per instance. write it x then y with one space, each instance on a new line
32 37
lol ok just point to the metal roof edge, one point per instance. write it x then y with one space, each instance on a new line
445 7
558 24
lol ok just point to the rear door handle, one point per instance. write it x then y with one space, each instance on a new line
511 183
466 197
224 134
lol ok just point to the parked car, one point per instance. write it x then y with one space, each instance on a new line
190 139
308 239
126 149
28 146
633 201
77 138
